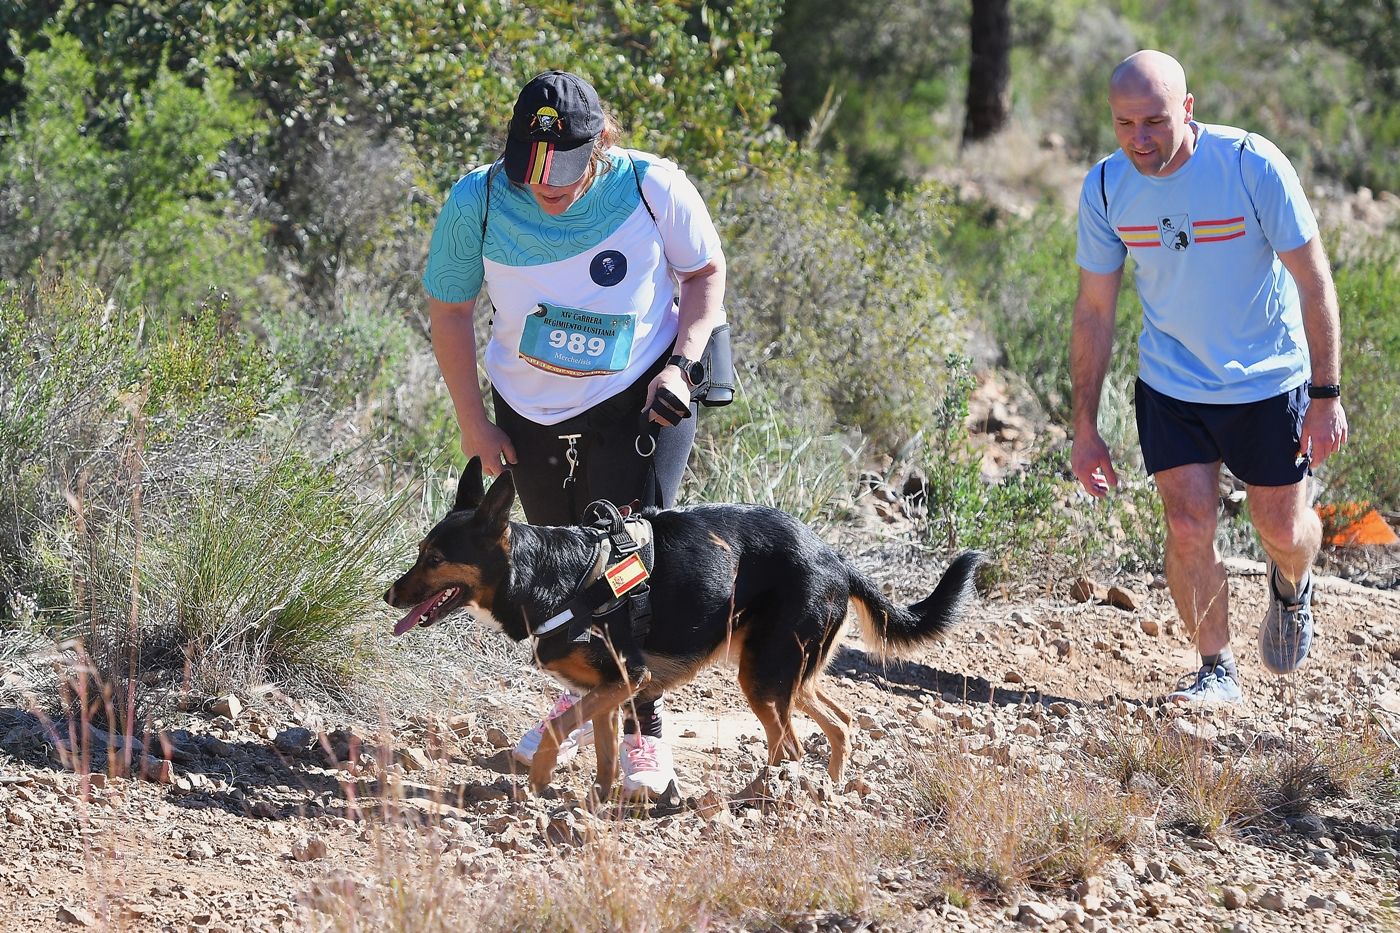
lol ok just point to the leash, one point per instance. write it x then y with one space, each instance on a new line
645 445
673 411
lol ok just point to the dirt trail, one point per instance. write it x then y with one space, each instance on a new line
257 823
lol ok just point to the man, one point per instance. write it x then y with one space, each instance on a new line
1238 359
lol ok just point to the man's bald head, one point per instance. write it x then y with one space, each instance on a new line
1147 73
1152 112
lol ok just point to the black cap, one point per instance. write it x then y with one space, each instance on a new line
556 121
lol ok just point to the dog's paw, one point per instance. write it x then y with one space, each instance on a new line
541 770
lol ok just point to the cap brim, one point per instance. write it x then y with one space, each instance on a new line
537 162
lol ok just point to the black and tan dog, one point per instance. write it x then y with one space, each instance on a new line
738 582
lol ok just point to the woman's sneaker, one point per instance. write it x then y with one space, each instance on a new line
1285 635
648 772
529 743
1214 686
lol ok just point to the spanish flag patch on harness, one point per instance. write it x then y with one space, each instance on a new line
626 575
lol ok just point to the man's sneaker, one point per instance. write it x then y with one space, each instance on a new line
647 770
1214 686
529 743
1286 633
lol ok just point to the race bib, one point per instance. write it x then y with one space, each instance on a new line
573 342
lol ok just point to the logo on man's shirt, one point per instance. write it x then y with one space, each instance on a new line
1175 231
1178 231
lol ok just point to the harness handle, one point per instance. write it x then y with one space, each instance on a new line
607 518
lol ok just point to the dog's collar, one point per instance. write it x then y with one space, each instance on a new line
594 592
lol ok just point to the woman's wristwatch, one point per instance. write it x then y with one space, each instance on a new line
692 370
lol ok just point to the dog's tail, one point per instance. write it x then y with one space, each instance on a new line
888 629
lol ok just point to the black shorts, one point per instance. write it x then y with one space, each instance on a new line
1258 441
608 465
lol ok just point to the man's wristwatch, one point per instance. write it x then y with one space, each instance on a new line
1334 390
693 370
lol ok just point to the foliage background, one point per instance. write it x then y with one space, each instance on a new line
218 406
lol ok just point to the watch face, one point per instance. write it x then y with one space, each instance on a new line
693 370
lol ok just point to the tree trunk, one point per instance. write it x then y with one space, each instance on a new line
989 72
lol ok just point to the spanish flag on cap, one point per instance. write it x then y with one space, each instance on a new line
556 122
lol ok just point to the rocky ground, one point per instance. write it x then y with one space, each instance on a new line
271 812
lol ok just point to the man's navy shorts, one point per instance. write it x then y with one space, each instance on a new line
1258 441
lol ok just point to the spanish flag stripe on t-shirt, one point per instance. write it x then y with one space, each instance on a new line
1140 236
1214 231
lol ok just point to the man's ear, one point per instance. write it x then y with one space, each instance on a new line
469 488
494 511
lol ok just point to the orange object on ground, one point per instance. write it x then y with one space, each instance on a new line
1354 524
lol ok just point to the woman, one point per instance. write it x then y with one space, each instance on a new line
606 277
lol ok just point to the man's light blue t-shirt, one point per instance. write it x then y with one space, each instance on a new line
1221 318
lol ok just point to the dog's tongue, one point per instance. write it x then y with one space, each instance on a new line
415 615
427 609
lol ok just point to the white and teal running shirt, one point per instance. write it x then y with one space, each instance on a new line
1222 322
584 302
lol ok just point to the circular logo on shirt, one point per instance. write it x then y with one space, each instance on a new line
608 267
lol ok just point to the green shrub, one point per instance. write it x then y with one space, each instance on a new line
842 308
1020 278
1015 519
272 573
142 510
1126 531
1364 133
205 370
75 370
123 189
755 451
356 352
1368 468
65 358
878 81
692 80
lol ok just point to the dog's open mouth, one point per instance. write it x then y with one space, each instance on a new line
430 610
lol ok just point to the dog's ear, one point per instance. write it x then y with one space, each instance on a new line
469 488
494 511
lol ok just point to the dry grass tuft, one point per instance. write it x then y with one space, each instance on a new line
1000 829
756 878
759 880
1205 791
1290 782
417 890
1364 764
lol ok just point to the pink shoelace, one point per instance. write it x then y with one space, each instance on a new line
561 706
642 756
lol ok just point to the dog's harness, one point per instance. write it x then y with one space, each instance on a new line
613 599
